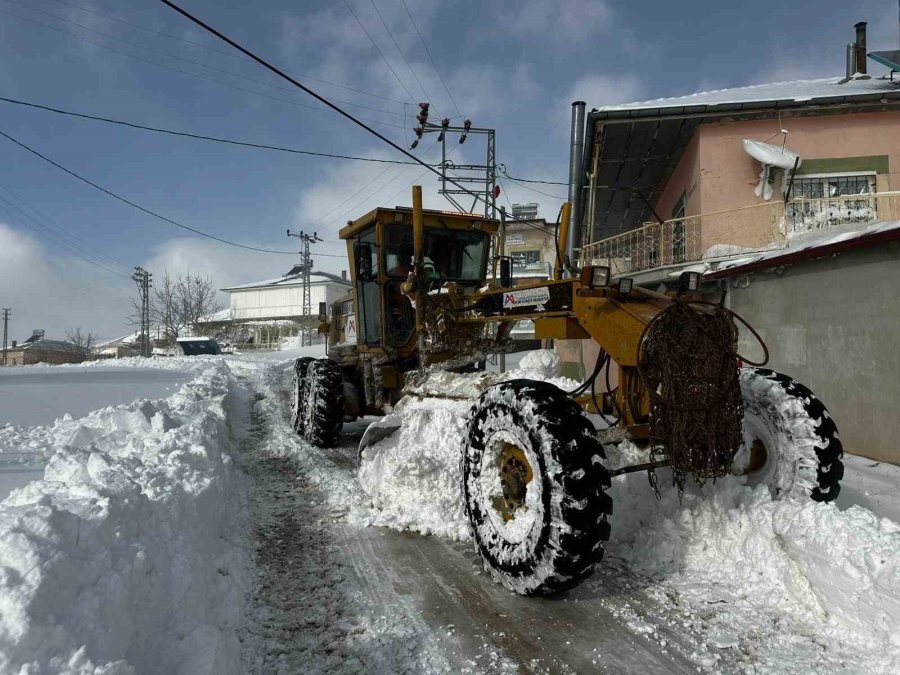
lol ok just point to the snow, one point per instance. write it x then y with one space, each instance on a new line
796 90
127 556
39 394
131 554
826 570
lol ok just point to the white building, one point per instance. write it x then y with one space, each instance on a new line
282 298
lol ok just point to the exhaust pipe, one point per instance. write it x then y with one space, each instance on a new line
861 47
576 178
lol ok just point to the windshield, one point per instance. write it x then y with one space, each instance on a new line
449 255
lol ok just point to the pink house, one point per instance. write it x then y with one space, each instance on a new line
706 177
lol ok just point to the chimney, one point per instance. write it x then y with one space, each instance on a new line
861 47
14 344
343 274
851 61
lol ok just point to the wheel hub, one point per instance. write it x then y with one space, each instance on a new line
758 456
515 475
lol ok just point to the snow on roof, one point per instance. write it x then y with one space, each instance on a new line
291 280
47 346
809 242
797 91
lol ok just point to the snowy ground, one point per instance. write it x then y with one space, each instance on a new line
197 534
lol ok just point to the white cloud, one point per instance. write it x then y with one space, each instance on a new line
56 292
602 89
576 20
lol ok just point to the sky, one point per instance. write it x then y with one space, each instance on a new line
67 249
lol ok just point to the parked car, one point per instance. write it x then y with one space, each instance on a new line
193 346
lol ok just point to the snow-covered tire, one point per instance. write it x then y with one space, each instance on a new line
790 442
542 530
297 392
323 403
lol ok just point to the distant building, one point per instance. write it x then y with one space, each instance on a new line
530 244
261 313
43 351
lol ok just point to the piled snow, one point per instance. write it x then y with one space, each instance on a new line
127 556
413 476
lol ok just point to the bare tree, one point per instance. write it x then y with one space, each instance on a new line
84 342
178 303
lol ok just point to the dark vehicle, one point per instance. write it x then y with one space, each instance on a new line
194 346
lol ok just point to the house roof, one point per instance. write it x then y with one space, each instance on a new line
291 280
819 244
643 141
46 346
772 95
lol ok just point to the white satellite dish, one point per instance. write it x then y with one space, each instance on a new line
773 155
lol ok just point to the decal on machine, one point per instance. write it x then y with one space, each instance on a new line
526 297
350 328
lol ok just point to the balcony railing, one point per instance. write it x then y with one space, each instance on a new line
748 229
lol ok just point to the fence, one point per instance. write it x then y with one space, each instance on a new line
748 229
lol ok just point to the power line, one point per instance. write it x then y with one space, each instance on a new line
185 134
433 64
350 9
402 55
219 51
138 206
540 192
185 72
357 121
132 43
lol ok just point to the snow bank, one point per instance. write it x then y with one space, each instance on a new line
127 556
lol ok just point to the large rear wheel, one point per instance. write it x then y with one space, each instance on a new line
790 442
322 410
534 487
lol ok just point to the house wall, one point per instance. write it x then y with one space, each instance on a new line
685 179
521 237
29 357
281 301
728 175
832 325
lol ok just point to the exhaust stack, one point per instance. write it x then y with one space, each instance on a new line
860 47
576 178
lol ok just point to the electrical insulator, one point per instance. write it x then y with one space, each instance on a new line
467 125
418 132
423 113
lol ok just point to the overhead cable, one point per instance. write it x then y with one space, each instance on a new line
144 209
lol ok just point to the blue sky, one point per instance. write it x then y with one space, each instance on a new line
515 66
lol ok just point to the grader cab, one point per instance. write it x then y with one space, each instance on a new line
534 476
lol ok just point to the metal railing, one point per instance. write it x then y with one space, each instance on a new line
748 229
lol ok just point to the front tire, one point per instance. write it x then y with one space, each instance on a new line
323 403
534 488
298 392
790 442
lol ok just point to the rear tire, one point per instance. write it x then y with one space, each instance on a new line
322 411
534 488
790 442
297 392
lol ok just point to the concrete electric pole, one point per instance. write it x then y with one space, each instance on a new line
306 267
143 280
6 313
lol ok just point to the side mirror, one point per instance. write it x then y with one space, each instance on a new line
323 312
364 266
505 272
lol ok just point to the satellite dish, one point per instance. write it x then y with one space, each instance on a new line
773 155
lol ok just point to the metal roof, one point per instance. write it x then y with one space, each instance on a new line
291 280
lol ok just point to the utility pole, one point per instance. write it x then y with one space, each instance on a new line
6 313
143 280
306 268
483 177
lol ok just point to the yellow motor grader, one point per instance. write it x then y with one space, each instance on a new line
533 462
